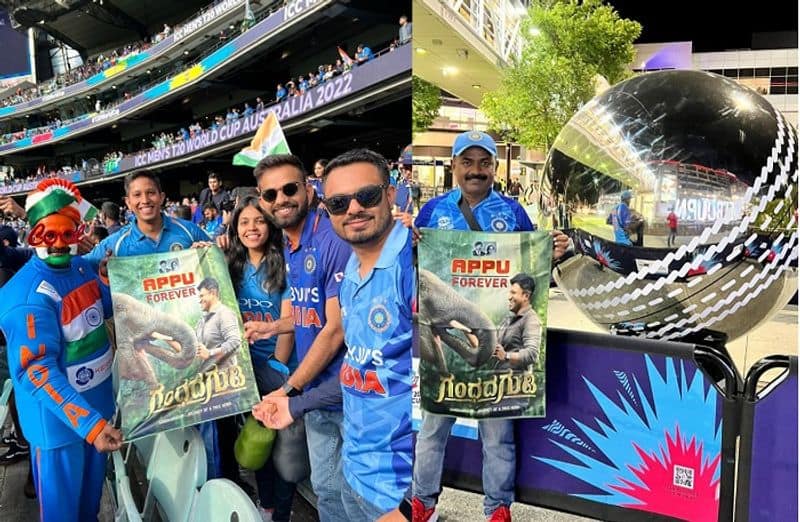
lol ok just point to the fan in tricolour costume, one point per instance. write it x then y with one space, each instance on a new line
52 314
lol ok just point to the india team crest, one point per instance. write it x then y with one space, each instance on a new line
310 264
174 247
379 318
499 225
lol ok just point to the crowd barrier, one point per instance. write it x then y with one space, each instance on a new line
767 476
634 429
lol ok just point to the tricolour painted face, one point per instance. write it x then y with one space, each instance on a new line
252 228
360 225
55 239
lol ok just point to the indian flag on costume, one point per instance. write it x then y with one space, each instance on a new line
269 140
82 322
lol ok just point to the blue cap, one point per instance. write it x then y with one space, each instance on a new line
469 139
626 194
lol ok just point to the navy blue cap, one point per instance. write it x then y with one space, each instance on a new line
469 139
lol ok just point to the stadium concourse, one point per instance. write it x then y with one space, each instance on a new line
179 88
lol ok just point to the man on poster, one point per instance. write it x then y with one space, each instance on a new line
60 357
217 330
473 205
520 334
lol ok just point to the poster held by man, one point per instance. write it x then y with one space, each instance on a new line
181 355
481 322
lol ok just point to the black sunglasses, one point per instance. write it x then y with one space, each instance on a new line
289 190
367 197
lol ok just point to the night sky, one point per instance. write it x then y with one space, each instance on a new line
721 26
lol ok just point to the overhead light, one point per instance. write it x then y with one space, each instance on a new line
449 71
534 31
113 86
186 52
284 55
231 27
313 129
421 50
41 22
148 71
187 100
114 126
476 86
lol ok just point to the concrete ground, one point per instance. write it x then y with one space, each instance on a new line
776 336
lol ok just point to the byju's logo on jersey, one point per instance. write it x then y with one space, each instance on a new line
379 318
93 316
84 375
310 264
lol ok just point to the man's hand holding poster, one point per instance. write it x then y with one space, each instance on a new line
481 322
181 355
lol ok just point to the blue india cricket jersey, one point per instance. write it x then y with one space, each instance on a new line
316 268
176 234
376 373
496 213
256 304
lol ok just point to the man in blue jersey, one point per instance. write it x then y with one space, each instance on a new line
473 205
621 219
316 258
151 230
60 358
376 298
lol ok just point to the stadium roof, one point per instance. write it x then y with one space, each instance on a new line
92 26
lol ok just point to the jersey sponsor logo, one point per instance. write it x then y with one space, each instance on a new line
362 355
338 276
379 318
48 290
310 264
93 316
367 382
249 302
84 375
174 247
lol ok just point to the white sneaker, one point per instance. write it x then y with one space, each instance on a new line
266 516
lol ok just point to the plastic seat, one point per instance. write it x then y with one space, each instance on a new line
221 500
7 387
177 468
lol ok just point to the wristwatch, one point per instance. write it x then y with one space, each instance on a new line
290 390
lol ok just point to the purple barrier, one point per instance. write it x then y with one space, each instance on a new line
767 480
634 430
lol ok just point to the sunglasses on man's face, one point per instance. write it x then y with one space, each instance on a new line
289 190
367 197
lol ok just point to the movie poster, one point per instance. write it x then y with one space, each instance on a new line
181 354
481 322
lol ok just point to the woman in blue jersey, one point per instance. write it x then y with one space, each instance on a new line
258 273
